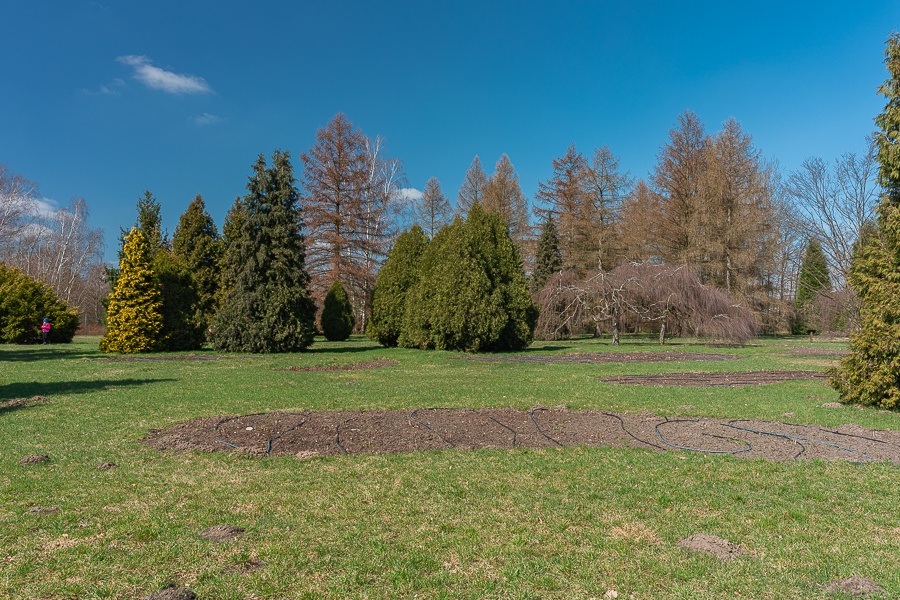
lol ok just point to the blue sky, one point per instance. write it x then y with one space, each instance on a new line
103 99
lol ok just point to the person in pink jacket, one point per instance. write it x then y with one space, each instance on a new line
45 331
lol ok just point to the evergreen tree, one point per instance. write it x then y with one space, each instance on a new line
813 279
196 244
472 294
548 260
184 327
398 275
25 303
133 319
870 374
267 307
471 191
337 314
149 222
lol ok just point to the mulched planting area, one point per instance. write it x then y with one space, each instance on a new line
592 358
310 434
730 379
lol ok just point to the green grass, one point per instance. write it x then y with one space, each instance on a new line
551 523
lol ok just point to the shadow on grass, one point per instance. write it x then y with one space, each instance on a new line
14 353
12 391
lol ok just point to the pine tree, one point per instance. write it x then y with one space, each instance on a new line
398 275
548 260
133 319
197 245
337 314
471 191
472 294
433 210
267 307
812 279
870 374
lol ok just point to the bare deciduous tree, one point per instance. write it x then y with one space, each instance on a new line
472 189
503 195
433 209
18 202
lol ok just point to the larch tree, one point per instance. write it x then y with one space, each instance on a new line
267 306
503 195
606 188
197 245
471 191
563 198
640 224
433 210
134 319
870 374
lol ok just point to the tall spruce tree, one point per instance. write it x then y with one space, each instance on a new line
134 320
197 245
267 306
472 294
398 275
548 259
870 374
813 278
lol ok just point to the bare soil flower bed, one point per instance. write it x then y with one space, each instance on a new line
310 434
731 379
601 357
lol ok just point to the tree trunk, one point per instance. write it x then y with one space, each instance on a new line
662 333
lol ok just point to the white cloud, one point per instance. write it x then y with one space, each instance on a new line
43 207
114 88
160 79
409 194
206 119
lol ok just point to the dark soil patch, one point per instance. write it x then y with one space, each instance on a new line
710 544
740 379
173 591
245 568
222 533
313 434
372 364
22 402
594 358
855 586
107 466
34 459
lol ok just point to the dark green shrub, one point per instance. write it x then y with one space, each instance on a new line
337 314
472 294
398 275
25 303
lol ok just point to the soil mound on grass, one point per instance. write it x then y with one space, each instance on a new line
593 358
307 435
222 533
859 587
173 591
739 379
710 544
34 459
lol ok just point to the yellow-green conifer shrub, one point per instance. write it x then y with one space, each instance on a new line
133 319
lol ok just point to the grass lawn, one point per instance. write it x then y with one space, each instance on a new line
549 523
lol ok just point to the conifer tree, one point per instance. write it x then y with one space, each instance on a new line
812 279
548 260
196 244
133 319
472 294
398 275
267 307
24 303
472 189
503 195
433 211
184 327
870 374
337 314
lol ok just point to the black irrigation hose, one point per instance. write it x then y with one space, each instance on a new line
510 429
541 431
285 432
337 438
862 437
794 437
668 443
427 426
226 443
631 435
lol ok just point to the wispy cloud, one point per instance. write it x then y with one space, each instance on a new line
206 119
160 79
409 194
114 88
